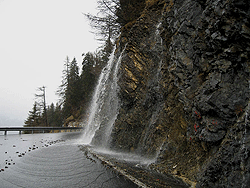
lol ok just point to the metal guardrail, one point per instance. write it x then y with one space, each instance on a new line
32 129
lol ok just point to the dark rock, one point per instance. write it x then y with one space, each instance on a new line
184 89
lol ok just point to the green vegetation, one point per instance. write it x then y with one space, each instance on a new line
76 89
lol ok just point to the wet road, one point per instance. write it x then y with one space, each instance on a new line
52 160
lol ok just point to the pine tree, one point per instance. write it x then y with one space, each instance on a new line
58 119
91 68
34 118
106 51
105 25
51 114
61 92
69 89
73 90
54 115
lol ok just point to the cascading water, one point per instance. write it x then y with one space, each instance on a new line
155 87
105 104
244 148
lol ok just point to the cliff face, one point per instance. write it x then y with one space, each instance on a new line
185 87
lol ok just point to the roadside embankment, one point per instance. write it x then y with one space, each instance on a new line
139 174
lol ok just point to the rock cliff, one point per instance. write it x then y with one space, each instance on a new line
184 90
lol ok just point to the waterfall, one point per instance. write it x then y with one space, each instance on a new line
104 105
155 89
244 148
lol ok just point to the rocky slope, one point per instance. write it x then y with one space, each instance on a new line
185 87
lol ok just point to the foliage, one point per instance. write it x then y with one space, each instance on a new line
91 68
69 89
76 89
104 24
112 15
38 116
34 118
55 115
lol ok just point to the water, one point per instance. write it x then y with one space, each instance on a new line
105 104
244 148
97 103
52 160
131 158
155 87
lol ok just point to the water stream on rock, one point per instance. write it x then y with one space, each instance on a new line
104 109
105 104
155 88
244 148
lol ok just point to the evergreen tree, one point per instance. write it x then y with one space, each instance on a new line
104 23
114 14
91 68
65 80
58 119
69 90
34 118
106 51
51 114
38 115
73 89
54 115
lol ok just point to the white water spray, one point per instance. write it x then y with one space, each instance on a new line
105 103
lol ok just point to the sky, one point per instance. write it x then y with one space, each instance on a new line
36 36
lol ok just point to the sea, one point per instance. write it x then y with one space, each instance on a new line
53 160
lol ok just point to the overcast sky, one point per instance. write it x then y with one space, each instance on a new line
35 38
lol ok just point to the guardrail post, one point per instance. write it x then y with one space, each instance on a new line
20 132
5 132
